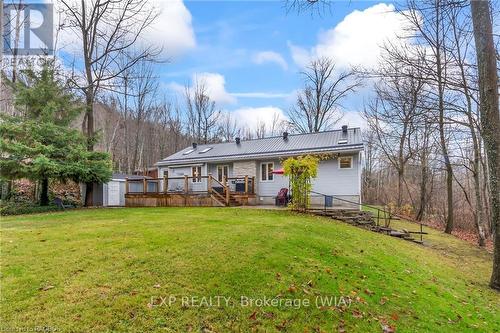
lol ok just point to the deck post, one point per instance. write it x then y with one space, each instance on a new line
253 184
165 182
186 184
226 184
246 184
209 183
144 185
126 185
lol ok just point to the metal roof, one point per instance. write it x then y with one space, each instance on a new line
295 144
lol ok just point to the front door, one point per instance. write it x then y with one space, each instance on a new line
222 172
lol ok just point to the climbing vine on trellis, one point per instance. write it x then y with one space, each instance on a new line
300 171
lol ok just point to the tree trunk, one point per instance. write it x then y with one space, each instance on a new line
89 112
441 108
423 191
479 215
89 97
490 118
399 199
44 192
449 196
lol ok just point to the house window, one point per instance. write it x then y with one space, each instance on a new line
196 173
345 162
222 171
266 171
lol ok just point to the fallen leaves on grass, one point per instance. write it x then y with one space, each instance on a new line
383 300
369 292
268 315
253 316
46 288
357 314
360 300
282 326
388 329
341 327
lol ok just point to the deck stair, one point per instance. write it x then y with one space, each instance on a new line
233 201
367 220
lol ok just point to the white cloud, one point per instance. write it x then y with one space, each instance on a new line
358 38
300 55
214 84
173 29
253 117
176 88
353 119
270 56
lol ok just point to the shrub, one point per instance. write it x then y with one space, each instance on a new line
300 170
20 208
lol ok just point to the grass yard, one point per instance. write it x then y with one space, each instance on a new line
99 270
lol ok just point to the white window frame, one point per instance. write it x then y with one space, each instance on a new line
197 178
350 158
222 167
267 175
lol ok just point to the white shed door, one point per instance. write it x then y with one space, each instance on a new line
113 194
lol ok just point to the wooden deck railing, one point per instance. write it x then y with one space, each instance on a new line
192 185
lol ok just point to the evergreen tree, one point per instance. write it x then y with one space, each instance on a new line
40 145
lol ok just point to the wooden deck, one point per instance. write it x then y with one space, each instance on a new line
190 191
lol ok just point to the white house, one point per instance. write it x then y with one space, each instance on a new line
246 166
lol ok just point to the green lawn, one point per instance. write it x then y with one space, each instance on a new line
98 270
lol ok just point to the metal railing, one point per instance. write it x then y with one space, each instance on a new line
388 214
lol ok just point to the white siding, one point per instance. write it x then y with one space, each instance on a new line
270 188
332 180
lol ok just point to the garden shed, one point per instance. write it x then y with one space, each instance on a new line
112 193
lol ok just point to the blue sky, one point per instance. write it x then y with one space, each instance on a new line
229 35
250 53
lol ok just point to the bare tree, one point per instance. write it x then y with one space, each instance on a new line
490 117
144 89
228 126
108 29
393 116
203 116
427 20
260 130
318 104
464 83
17 23
312 6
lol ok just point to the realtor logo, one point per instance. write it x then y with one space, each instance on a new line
28 28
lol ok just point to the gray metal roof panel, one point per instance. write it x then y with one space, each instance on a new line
296 144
